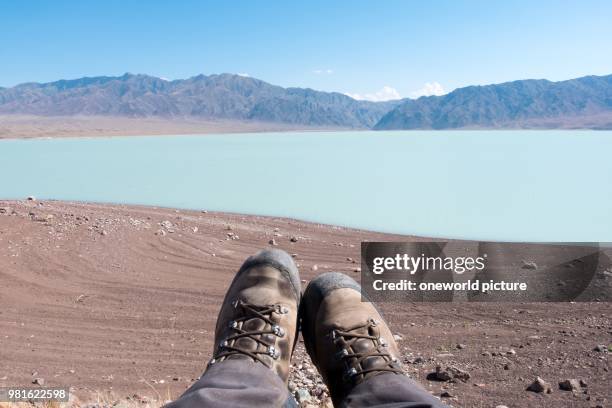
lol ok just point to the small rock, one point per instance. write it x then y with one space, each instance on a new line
461 346
302 396
583 384
450 374
293 239
569 385
38 381
529 265
458 373
166 224
446 394
442 375
501 406
511 352
31 198
315 268
398 337
272 242
540 386
600 348
103 232
71 371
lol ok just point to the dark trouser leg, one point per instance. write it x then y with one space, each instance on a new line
236 383
391 391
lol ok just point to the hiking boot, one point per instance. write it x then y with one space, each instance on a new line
347 339
258 318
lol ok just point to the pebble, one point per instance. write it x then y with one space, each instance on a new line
600 348
398 337
315 267
293 239
302 396
446 394
166 224
31 198
451 373
569 385
461 346
540 386
529 265
39 381
272 242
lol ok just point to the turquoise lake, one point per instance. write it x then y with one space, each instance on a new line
488 185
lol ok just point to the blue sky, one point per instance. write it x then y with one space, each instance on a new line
375 49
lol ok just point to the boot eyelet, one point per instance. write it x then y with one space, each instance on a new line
272 352
223 344
212 361
350 373
283 310
383 342
342 353
233 324
278 330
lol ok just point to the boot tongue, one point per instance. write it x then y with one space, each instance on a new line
248 344
363 346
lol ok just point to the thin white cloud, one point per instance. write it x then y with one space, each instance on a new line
387 93
243 74
428 89
323 71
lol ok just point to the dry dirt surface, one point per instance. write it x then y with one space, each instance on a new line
121 301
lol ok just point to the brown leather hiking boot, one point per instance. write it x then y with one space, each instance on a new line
347 339
258 318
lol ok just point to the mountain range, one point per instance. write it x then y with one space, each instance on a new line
578 103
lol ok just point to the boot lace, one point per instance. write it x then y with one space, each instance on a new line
229 346
347 338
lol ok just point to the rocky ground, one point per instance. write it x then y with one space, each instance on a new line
119 303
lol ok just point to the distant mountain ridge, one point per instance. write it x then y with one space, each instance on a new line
577 103
581 102
224 96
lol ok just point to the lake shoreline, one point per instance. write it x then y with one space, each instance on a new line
30 127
